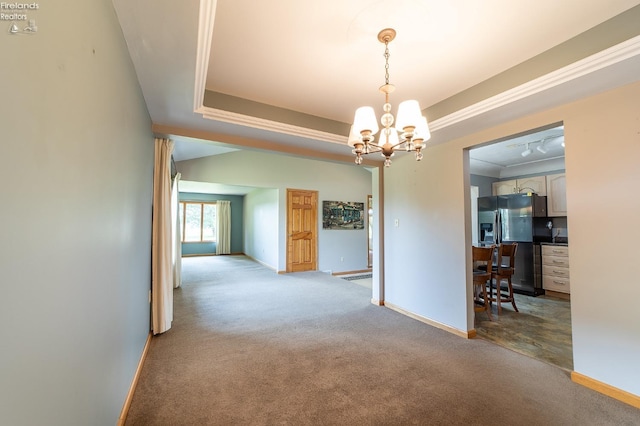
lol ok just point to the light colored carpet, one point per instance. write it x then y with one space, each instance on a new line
250 347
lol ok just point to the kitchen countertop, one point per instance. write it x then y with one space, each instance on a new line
555 244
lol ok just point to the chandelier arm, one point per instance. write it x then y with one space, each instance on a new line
399 144
403 142
372 149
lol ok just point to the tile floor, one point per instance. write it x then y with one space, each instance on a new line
542 328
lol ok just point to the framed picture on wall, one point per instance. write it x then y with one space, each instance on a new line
342 215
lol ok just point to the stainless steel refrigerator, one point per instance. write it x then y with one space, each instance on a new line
515 218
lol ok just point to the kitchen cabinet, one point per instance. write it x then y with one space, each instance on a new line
504 187
556 195
555 268
535 184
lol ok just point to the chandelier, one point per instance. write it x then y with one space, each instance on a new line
411 130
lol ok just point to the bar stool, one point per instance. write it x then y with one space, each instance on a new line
504 270
482 268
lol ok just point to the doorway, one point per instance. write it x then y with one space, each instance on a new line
542 327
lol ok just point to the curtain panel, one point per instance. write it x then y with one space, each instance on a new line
223 226
176 234
162 242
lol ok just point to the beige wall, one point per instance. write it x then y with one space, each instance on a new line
427 256
603 176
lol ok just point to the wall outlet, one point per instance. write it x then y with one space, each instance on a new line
396 223
341 259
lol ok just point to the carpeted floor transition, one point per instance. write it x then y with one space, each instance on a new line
251 347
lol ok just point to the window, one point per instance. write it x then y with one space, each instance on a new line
198 221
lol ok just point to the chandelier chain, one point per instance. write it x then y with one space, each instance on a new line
386 60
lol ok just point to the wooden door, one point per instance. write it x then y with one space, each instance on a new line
302 230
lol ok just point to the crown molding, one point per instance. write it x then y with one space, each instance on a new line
206 20
274 126
611 56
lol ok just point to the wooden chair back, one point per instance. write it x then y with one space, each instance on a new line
482 269
506 251
482 261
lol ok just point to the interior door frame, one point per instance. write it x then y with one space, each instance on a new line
369 217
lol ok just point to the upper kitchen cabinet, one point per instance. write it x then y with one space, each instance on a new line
556 195
504 187
535 184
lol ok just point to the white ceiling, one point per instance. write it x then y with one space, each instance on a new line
504 158
322 58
